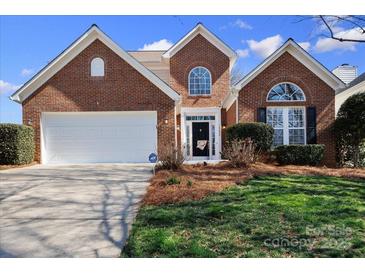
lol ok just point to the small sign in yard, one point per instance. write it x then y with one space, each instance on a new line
152 158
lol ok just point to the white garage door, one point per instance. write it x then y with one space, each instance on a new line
98 137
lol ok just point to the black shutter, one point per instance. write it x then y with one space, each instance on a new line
261 115
311 125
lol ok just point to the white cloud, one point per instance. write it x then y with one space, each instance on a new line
266 46
162 44
329 44
241 24
305 45
237 24
6 87
242 53
355 33
26 72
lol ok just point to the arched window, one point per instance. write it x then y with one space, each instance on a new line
286 92
97 67
200 81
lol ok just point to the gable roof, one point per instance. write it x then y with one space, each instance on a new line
73 50
202 30
303 57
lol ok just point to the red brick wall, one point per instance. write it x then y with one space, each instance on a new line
200 52
121 89
231 115
317 92
228 117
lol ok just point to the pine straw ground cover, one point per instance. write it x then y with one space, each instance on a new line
215 178
5 167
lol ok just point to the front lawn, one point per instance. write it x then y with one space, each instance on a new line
267 216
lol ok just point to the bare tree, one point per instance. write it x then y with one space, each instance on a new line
331 24
236 75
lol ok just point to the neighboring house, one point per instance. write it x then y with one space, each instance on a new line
96 102
355 86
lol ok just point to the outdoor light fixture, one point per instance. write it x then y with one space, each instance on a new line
30 122
166 121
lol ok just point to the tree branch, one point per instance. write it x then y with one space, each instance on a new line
341 39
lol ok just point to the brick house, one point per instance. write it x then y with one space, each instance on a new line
96 102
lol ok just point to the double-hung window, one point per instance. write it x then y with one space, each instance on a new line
288 124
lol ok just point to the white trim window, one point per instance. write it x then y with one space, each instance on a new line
97 67
200 81
289 125
285 92
212 134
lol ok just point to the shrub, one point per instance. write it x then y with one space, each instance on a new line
16 144
299 154
189 183
362 154
171 157
241 153
350 130
262 134
173 180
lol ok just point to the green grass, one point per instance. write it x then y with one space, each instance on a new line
326 215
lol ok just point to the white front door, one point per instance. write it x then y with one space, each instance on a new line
201 134
98 137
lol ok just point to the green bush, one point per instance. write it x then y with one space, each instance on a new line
299 154
350 131
262 134
16 144
173 181
362 154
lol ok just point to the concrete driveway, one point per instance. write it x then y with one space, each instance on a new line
69 211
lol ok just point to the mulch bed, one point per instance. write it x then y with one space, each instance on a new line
4 167
207 179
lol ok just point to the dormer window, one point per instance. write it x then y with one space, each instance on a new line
97 67
200 81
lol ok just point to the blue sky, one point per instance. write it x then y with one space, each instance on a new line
27 43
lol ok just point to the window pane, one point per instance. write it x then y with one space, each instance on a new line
196 118
97 67
187 140
285 92
296 136
278 137
296 117
199 81
275 117
213 140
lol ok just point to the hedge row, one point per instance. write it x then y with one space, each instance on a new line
299 154
16 144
